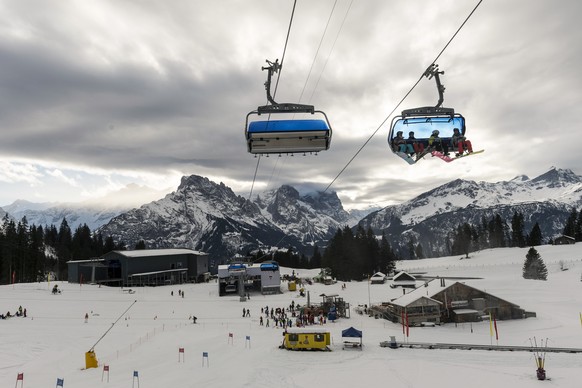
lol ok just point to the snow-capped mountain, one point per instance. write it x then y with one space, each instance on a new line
427 219
210 217
207 216
94 213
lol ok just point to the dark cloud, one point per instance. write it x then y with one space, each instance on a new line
164 87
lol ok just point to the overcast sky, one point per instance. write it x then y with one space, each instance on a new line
95 95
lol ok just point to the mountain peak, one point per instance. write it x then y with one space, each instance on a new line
520 178
558 176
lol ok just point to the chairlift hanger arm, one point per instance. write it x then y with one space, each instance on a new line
272 68
275 107
433 71
438 109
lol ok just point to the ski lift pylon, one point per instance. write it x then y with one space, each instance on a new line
289 135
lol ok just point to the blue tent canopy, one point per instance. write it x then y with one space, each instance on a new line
352 332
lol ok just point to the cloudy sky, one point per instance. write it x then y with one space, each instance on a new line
95 95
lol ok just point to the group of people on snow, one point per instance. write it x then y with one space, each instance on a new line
180 293
412 146
291 316
20 312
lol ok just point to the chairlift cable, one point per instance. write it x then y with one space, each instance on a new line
330 51
275 91
285 47
254 177
317 51
403 98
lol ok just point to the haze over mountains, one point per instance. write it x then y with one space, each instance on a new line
209 216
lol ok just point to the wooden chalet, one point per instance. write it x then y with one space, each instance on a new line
564 240
378 278
435 302
403 279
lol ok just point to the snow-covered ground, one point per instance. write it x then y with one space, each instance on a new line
51 342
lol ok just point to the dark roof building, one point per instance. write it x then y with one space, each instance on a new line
151 267
564 240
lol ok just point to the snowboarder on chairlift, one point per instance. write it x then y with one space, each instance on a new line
436 143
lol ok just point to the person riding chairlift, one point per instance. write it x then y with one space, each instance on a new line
460 142
437 144
400 145
418 147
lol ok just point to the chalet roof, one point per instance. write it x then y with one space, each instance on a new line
429 290
403 276
379 275
407 299
159 252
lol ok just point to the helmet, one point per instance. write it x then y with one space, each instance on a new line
435 132
455 129
398 133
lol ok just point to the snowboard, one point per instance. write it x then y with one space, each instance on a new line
448 159
407 158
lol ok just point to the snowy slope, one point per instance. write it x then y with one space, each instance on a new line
51 342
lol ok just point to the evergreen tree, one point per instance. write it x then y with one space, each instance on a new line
82 243
496 229
387 256
517 236
534 238
354 257
418 251
578 231
109 245
38 258
570 227
22 243
63 248
534 267
411 252
462 241
315 261
9 251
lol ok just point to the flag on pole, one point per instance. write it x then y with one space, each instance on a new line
20 377
13 277
490 326
60 382
403 323
495 326
407 326
580 319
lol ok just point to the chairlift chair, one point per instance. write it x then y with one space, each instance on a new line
286 136
423 121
